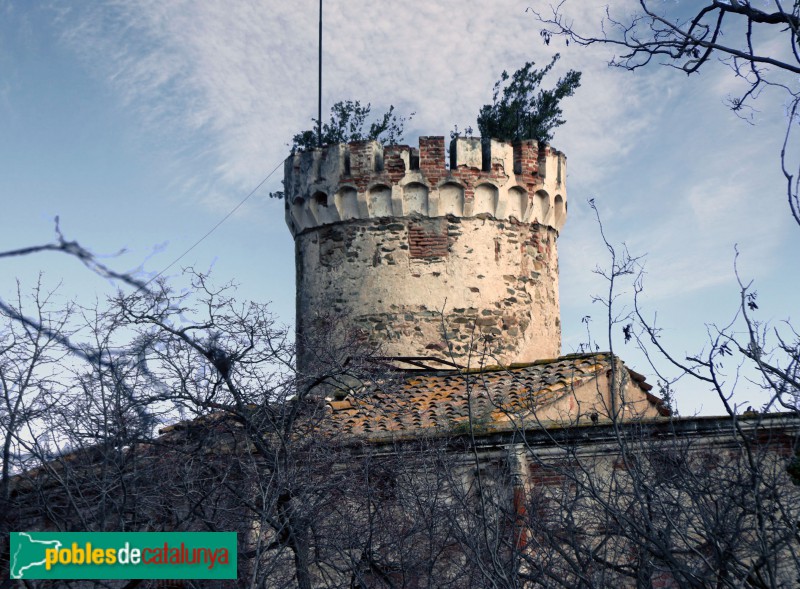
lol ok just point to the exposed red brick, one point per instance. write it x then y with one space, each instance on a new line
545 475
393 164
431 158
526 158
521 514
428 240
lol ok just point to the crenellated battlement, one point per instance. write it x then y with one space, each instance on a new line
364 180
413 255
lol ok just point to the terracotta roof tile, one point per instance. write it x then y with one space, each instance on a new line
440 399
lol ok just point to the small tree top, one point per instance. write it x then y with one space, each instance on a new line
348 120
521 109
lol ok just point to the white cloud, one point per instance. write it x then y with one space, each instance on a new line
240 77
234 80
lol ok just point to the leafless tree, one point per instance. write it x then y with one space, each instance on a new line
681 502
29 376
248 448
183 411
688 39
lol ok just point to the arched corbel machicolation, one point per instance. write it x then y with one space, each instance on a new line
364 180
414 257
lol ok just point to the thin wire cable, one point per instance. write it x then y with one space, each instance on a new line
214 228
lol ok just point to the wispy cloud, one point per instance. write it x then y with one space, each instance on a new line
230 82
239 78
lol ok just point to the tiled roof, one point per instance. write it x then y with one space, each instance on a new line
411 403
440 399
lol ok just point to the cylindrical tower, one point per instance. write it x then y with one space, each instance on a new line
397 249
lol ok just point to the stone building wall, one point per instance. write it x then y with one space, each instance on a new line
418 258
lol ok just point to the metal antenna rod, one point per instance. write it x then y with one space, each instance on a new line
319 101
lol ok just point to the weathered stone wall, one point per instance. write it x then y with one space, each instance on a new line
424 259
394 281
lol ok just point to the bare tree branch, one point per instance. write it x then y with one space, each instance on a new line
714 29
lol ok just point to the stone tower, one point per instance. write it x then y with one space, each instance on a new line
395 248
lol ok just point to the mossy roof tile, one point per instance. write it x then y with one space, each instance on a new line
439 399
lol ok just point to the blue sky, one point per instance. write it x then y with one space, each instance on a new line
141 124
